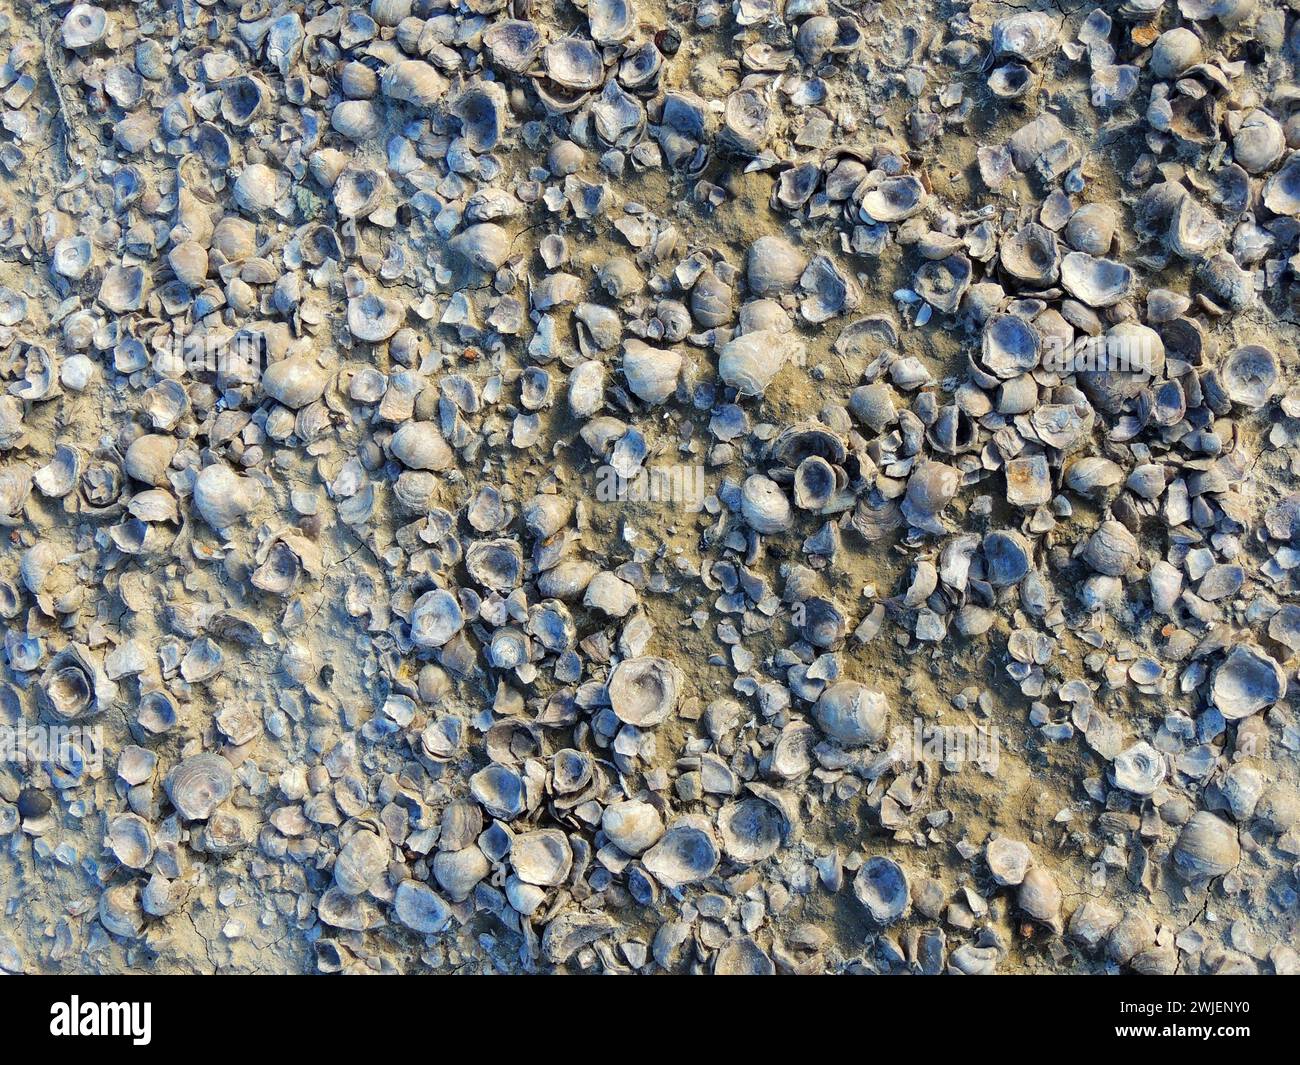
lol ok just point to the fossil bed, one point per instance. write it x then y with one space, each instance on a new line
383 682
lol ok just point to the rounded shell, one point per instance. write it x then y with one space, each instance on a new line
687 853
199 784
1246 682
852 713
1207 847
882 888
644 691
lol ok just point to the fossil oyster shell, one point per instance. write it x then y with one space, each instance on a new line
753 829
361 861
513 44
1282 189
1138 769
223 497
686 853
420 908
131 840
633 826
895 199
1207 847
764 505
750 362
1096 281
1040 897
542 857
1246 682
773 266
420 446
644 691
1031 256
374 318
1029 35
199 784
1008 860
1249 375
651 373
74 685
852 713
882 887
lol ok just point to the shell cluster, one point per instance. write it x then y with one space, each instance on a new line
521 485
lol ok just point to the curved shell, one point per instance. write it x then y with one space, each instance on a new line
644 691
420 446
852 713
1207 847
1031 256
199 784
131 840
222 497
1138 769
773 266
750 362
686 853
1095 281
895 199
764 506
361 862
374 318
1246 682
632 826
752 830
542 857
882 888
1249 375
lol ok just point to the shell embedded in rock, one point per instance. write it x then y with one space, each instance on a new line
852 713
644 691
881 886
1008 860
1139 769
1206 847
1246 682
750 362
223 497
199 784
